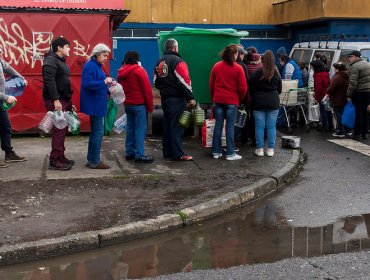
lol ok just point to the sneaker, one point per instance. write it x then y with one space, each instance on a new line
144 159
68 161
235 149
259 152
338 134
270 152
13 157
234 157
100 165
59 165
3 164
217 155
185 158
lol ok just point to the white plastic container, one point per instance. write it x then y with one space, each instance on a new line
120 124
47 122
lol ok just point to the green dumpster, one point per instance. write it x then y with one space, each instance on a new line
200 49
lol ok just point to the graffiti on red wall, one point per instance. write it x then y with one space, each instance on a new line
18 49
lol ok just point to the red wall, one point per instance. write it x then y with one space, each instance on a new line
84 31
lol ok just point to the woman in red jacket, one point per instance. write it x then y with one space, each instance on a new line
139 101
321 81
228 87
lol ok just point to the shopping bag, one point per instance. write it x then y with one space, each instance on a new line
110 117
348 117
207 133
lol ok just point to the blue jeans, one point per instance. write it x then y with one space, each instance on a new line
5 131
324 116
222 112
265 119
95 139
136 129
172 133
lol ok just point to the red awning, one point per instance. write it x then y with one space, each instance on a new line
65 4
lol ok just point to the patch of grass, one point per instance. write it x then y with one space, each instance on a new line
120 177
153 177
183 216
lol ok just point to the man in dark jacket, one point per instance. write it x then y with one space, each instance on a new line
359 91
57 94
171 77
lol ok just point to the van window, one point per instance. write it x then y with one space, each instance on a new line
365 54
344 54
328 54
302 54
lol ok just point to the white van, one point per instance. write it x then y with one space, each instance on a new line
333 50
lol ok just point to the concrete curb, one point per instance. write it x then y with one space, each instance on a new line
95 239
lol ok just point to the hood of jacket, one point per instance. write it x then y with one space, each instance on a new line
126 69
343 74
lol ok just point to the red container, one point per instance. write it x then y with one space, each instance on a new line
25 37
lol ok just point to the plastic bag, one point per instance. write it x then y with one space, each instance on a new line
348 117
14 86
207 133
110 117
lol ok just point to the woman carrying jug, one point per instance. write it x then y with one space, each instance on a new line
94 92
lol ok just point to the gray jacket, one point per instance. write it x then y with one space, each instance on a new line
359 78
5 68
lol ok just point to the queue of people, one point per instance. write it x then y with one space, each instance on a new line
241 78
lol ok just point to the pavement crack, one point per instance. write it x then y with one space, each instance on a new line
197 165
330 277
44 167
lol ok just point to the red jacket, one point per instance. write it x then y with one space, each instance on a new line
321 82
136 84
227 83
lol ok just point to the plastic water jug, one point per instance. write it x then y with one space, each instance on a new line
6 106
14 86
73 122
241 117
199 116
117 93
120 124
315 111
46 124
185 118
59 120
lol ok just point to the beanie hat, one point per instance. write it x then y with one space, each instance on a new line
99 48
59 42
281 51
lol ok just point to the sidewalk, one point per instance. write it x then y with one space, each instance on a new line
46 212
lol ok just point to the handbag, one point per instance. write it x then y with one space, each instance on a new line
110 116
348 117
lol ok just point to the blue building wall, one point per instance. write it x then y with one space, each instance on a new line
149 52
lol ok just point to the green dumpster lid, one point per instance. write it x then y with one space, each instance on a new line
200 31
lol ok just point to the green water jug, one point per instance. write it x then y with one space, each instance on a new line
185 118
199 116
6 106
75 129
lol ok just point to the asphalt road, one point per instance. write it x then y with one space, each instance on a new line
333 185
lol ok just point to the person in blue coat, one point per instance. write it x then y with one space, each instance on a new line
291 70
93 101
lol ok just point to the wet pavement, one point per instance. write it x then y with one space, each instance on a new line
38 204
250 235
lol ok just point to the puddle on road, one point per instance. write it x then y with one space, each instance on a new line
237 238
